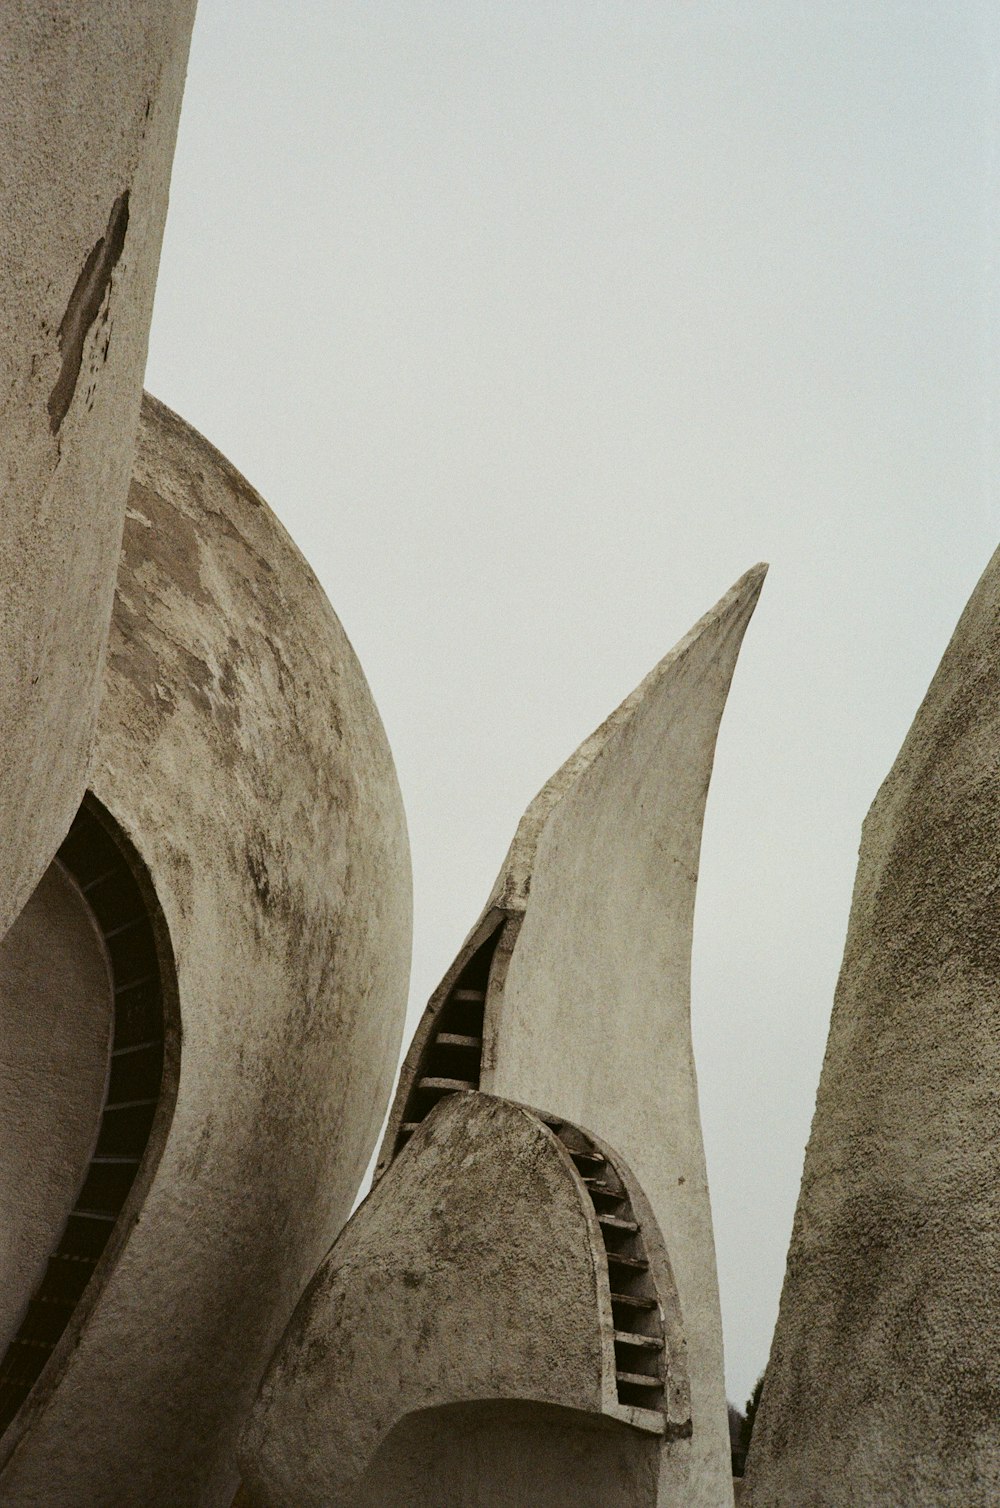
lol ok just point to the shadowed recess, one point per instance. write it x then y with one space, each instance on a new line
104 871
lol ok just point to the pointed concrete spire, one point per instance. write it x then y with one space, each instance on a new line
882 1382
591 1015
584 954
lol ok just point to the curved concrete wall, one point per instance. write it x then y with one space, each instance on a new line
591 1017
240 753
89 100
474 1273
882 1382
55 1041
510 1455
587 1008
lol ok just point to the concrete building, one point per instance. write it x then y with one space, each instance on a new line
89 102
572 994
468 1319
220 952
882 1381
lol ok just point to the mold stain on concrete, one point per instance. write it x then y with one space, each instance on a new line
83 308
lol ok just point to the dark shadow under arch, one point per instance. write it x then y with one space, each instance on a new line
141 1091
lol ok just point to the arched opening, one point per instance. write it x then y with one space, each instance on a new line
88 1071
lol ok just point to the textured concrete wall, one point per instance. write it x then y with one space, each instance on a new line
55 1041
591 1016
588 999
89 100
240 752
882 1386
474 1273
510 1455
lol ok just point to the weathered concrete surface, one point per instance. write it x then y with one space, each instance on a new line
588 1002
510 1455
475 1275
519 1455
240 752
89 100
882 1386
55 1038
591 1015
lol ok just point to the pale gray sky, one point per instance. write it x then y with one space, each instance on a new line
537 323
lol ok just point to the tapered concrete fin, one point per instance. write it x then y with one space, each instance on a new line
89 102
484 1270
882 1381
573 989
722 627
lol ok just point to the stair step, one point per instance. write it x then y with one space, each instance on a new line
637 1380
408 1128
136 921
445 1086
457 1039
106 1161
638 1342
122 1052
133 984
597 1188
129 1104
631 1264
589 1159
616 1224
633 1301
93 1215
476 996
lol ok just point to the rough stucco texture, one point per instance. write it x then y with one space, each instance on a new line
240 751
55 1037
469 1275
882 1386
510 1455
89 100
592 1019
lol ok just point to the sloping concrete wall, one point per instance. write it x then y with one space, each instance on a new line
882 1386
89 101
241 754
473 1274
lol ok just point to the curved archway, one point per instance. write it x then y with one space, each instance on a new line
94 926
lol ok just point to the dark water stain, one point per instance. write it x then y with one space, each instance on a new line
84 305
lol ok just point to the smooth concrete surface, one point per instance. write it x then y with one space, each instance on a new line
882 1385
240 752
89 102
55 1045
588 1003
474 1274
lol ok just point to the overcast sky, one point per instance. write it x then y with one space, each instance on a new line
537 323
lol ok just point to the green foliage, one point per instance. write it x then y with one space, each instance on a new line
753 1403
